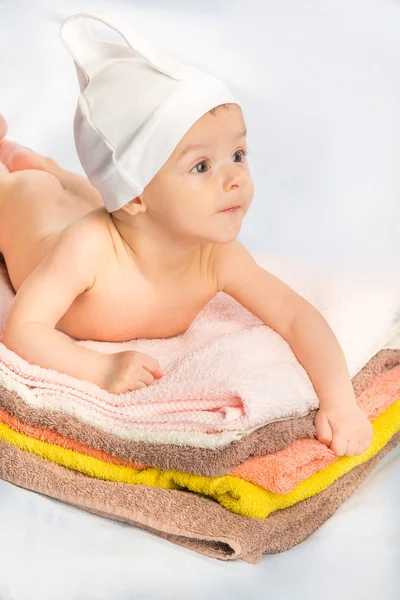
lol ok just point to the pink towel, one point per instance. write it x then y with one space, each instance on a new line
228 374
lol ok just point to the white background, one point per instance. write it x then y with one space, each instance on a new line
320 87
319 82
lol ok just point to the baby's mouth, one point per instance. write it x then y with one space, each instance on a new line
231 209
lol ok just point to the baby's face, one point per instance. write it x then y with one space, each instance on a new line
206 174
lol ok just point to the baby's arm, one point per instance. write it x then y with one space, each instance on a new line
340 423
68 270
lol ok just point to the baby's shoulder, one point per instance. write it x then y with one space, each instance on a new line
88 237
230 261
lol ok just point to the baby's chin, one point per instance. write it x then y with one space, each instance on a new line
224 234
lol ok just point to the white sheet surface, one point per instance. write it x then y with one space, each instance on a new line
319 83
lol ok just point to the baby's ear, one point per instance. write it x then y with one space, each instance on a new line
135 206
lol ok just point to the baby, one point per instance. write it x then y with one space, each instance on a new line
109 267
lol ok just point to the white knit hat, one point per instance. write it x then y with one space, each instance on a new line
136 104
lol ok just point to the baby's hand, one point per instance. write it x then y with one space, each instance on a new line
126 371
345 429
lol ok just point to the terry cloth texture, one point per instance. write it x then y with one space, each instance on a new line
200 461
187 519
233 493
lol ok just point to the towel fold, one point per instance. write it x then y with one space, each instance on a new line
201 461
233 493
46 435
187 519
279 472
228 374
282 471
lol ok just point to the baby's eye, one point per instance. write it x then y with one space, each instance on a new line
204 162
242 154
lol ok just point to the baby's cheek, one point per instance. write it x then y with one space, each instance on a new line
250 190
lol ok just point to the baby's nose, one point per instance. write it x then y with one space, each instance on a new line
235 178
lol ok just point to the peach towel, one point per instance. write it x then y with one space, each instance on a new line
51 437
282 471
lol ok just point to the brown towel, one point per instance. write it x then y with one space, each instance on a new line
182 517
200 461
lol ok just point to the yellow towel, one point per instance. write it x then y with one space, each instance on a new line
233 493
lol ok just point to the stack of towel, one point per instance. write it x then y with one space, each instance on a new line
220 454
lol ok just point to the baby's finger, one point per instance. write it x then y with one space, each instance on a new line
152 365
363 446
122 388
324 431
138 385
352 447
146 377
339 444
